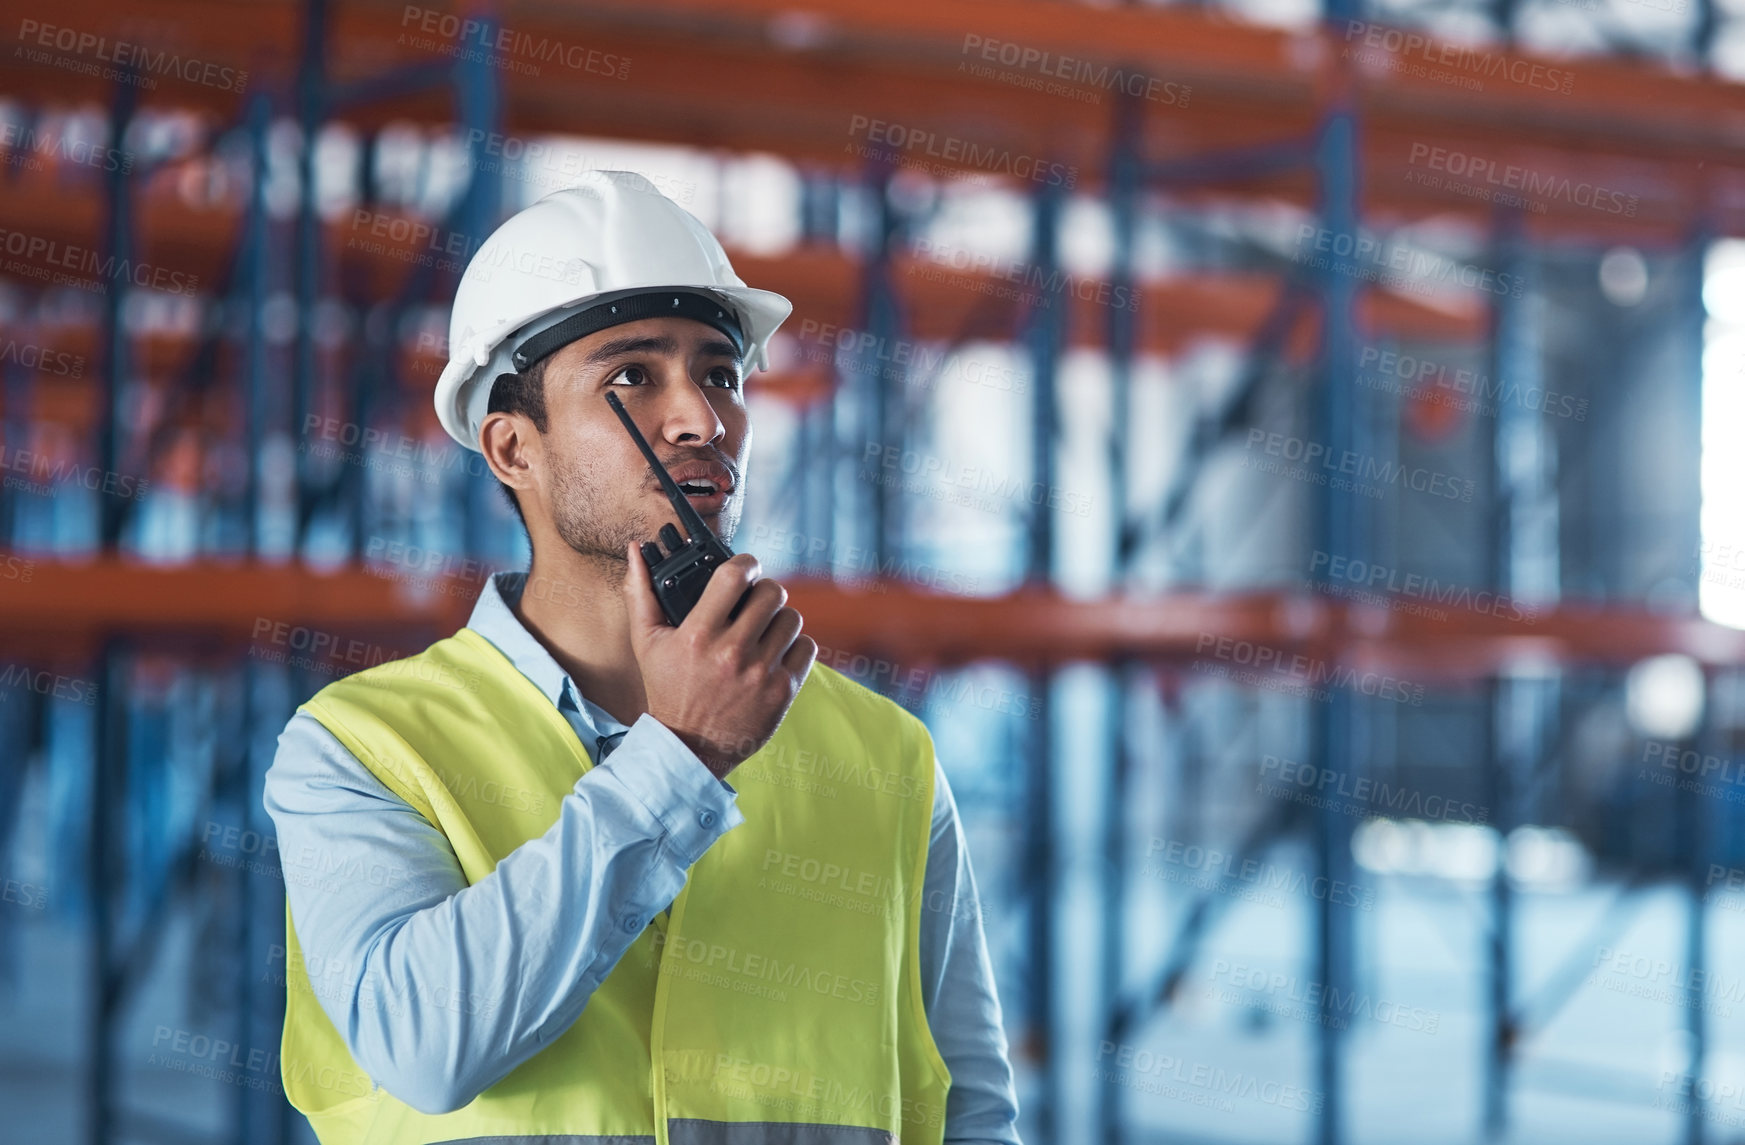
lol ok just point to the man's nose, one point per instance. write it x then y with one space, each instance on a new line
688 417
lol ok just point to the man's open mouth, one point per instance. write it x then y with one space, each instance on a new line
702 479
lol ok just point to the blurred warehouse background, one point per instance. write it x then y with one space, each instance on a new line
1293 458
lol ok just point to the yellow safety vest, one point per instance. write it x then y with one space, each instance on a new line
780 1003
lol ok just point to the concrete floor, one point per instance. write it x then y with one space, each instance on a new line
1232 1062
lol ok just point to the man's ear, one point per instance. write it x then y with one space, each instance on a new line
511 447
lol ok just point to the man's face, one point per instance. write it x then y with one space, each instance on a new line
680 381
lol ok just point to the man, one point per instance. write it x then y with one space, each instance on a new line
575 874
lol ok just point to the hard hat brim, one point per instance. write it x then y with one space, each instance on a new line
763 312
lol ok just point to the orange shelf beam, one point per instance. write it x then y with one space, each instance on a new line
353 616
807 78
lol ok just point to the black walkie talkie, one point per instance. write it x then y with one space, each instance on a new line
679 579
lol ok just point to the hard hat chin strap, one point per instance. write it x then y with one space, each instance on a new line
632 308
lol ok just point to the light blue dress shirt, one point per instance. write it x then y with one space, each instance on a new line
439 989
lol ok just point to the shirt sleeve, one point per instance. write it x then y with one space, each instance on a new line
385 916
957 979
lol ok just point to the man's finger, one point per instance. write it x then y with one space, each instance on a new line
800 656
644 609
761 604
726 585
784 626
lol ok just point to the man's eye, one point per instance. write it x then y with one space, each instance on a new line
724 377
633 375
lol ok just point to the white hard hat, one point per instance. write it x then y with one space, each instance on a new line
610 236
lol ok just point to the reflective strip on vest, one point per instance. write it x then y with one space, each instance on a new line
689 1131
551 1139
781 1002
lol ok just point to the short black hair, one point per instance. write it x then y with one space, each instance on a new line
522 393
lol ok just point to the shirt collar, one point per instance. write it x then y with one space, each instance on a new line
495 620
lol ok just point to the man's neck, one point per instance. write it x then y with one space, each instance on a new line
574 606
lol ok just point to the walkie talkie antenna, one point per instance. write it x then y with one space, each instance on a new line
688 515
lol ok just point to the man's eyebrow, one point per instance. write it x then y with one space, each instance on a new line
720 348
659 344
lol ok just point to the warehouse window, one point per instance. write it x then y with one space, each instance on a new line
1722 591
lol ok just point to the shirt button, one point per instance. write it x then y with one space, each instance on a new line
632 925
706 819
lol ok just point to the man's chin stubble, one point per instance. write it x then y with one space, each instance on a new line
589 541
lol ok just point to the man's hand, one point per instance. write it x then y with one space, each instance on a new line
721 685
